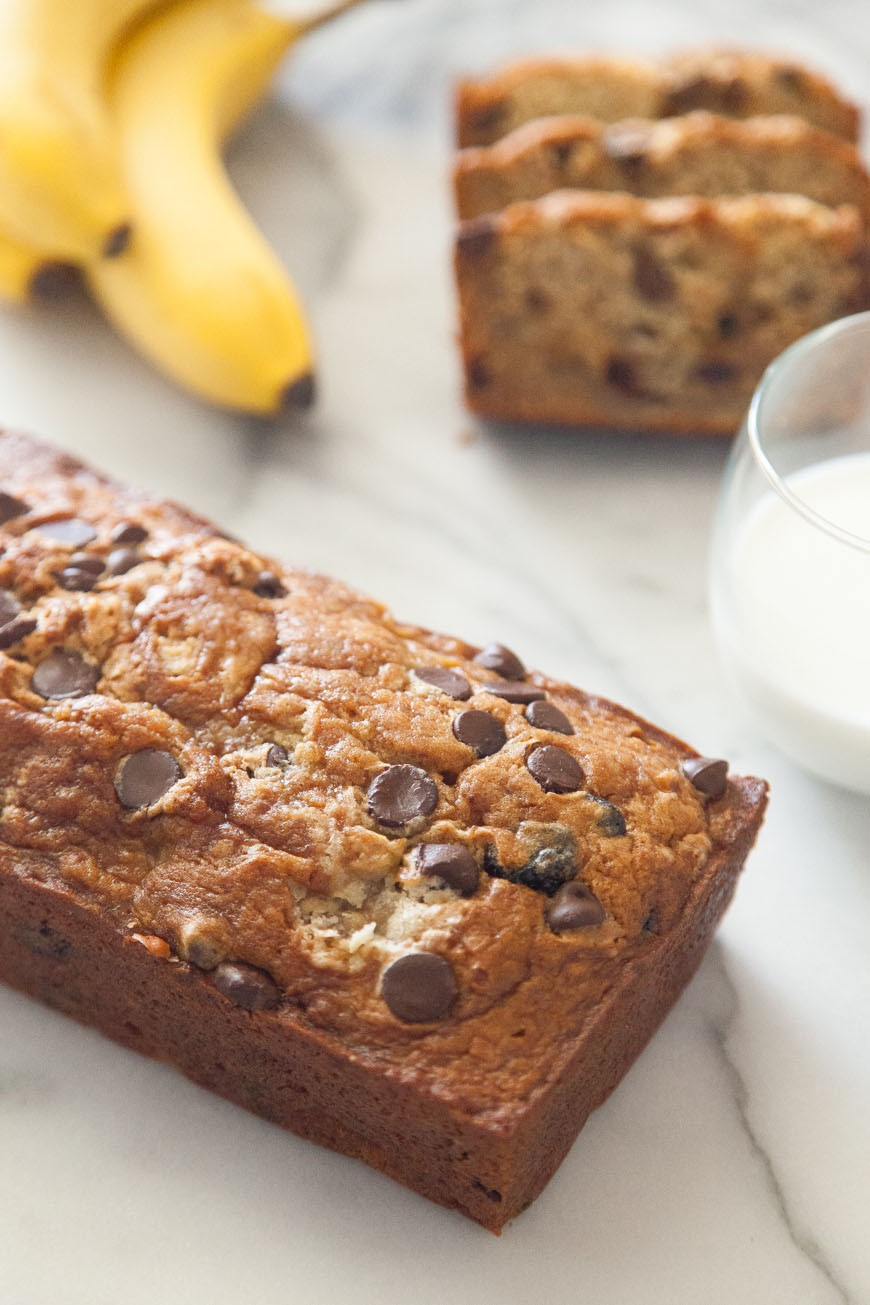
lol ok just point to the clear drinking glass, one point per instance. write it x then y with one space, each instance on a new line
790 575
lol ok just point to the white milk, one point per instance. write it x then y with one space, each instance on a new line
796 620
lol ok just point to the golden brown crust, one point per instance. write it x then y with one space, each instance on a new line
603 309
136 916
736 83
699 153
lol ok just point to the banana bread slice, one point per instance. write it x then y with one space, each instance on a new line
698 153
734 83
381 887
596 308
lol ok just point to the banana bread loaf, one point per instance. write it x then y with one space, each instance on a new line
388 890
734 83
698 153
596 308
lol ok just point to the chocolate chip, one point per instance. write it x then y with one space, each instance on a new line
478 374
480 731
496 657
791 78
627 145
717 373
76 578
487 119
547 716
513 691
734 95
691 93
555 769
268 585
562 151
552 864
537 300
574 907
9 606
443 678
64 674
122 560
246 986
611 821
728 325
14 631
400 795
621 373
476 237
419 987
128 532
451 863
43 940
144 777
708 774
652 280
276 755
652 923
11 507
68 531
86 562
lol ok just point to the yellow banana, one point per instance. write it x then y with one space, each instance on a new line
199 291
60 185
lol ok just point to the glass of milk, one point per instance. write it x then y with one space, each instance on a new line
790 579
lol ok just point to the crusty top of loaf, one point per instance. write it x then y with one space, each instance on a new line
203 650
698 153
736 82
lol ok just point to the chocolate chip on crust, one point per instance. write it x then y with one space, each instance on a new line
555 769
551 865
611 821
419 987
268 585
14 631
9 606
450 862
513 691
708 774
144 777
496 657
122 560
547 716
11 507
276 755
476 237
76 578
64 674
402 794
246 985
70 531
574 907
480 731
128 532
447 680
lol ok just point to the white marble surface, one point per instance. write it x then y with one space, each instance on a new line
733 1164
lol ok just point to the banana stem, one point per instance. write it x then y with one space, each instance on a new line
314 21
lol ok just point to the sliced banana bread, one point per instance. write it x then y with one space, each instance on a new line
595 308
698 153
733 83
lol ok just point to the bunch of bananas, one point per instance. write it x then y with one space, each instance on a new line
113 115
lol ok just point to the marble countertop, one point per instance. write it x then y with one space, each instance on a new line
733 1163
